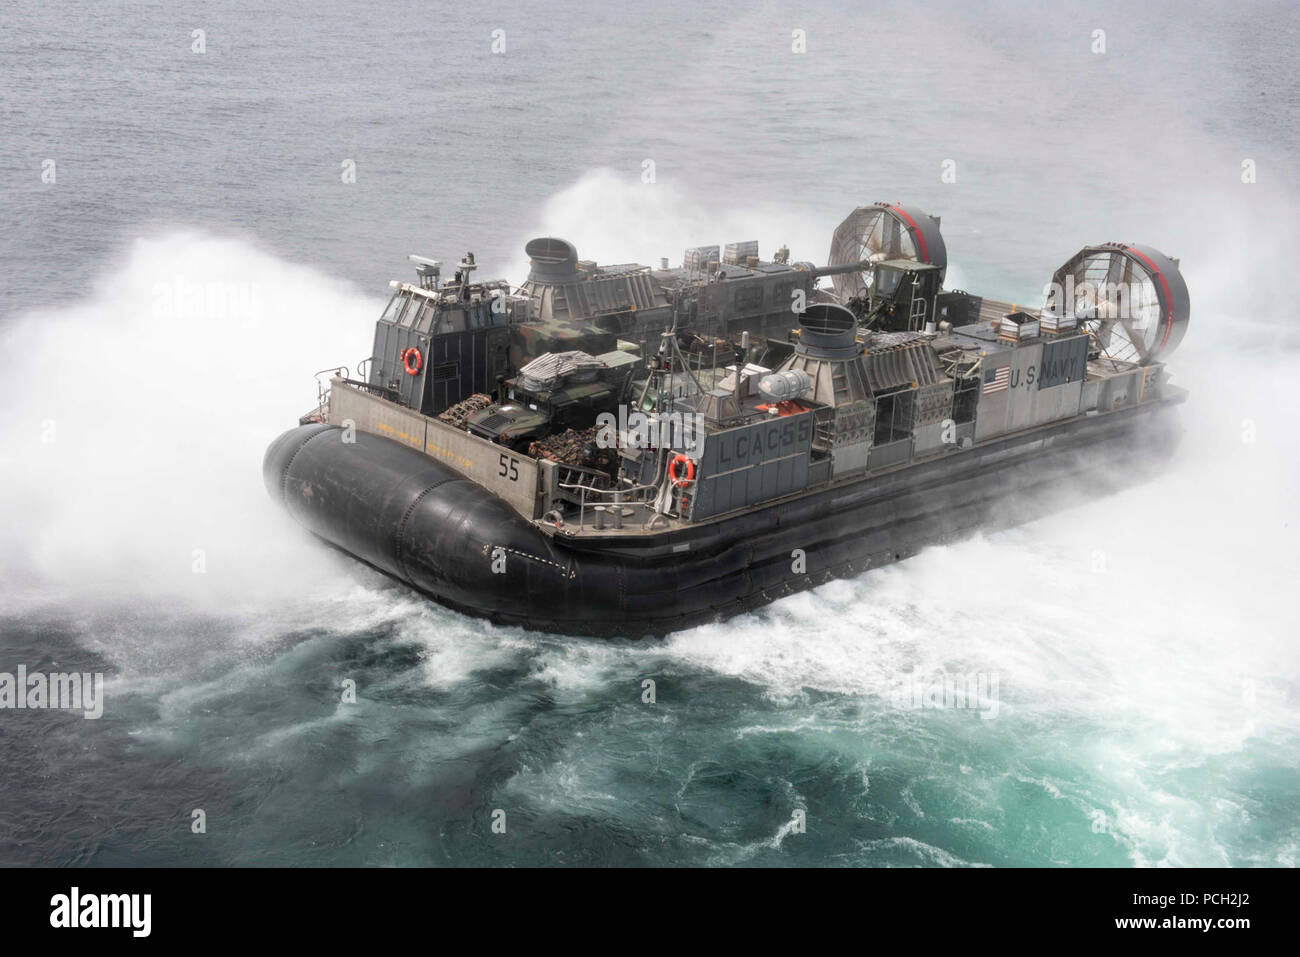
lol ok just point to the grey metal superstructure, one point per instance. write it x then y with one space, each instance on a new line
887 376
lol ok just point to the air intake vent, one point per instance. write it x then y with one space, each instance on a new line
552 259
551 249
828 331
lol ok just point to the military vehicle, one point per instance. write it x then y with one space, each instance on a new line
631 450
551 393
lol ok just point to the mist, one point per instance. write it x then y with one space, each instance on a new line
136 421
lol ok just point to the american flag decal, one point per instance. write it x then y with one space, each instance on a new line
996 380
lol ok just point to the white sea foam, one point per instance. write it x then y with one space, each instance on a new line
137 418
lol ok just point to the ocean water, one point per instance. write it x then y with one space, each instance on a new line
194 254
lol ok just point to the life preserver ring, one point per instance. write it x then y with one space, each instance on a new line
407 356
676 478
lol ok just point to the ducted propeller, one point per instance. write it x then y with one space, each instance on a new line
881 232
1131 298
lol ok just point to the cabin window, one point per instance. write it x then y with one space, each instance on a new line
424 317
396 305
408 314
887 281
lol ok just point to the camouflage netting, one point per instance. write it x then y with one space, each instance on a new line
458 414
573 447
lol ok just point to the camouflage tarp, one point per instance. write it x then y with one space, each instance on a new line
458 414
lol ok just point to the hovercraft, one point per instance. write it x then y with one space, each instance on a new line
629 450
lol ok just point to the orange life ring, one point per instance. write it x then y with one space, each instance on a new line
681 480
407 356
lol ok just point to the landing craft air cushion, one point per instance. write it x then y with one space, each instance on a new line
629 450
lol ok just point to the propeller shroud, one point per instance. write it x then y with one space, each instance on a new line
1131 298
880 232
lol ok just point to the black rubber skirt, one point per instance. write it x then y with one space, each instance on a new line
426 525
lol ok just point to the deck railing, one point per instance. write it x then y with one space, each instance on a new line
606 505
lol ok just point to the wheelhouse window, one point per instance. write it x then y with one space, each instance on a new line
410 311
423 309
397 306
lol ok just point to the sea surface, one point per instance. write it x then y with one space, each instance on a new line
195 223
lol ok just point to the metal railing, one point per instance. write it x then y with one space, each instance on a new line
323 389
606 504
